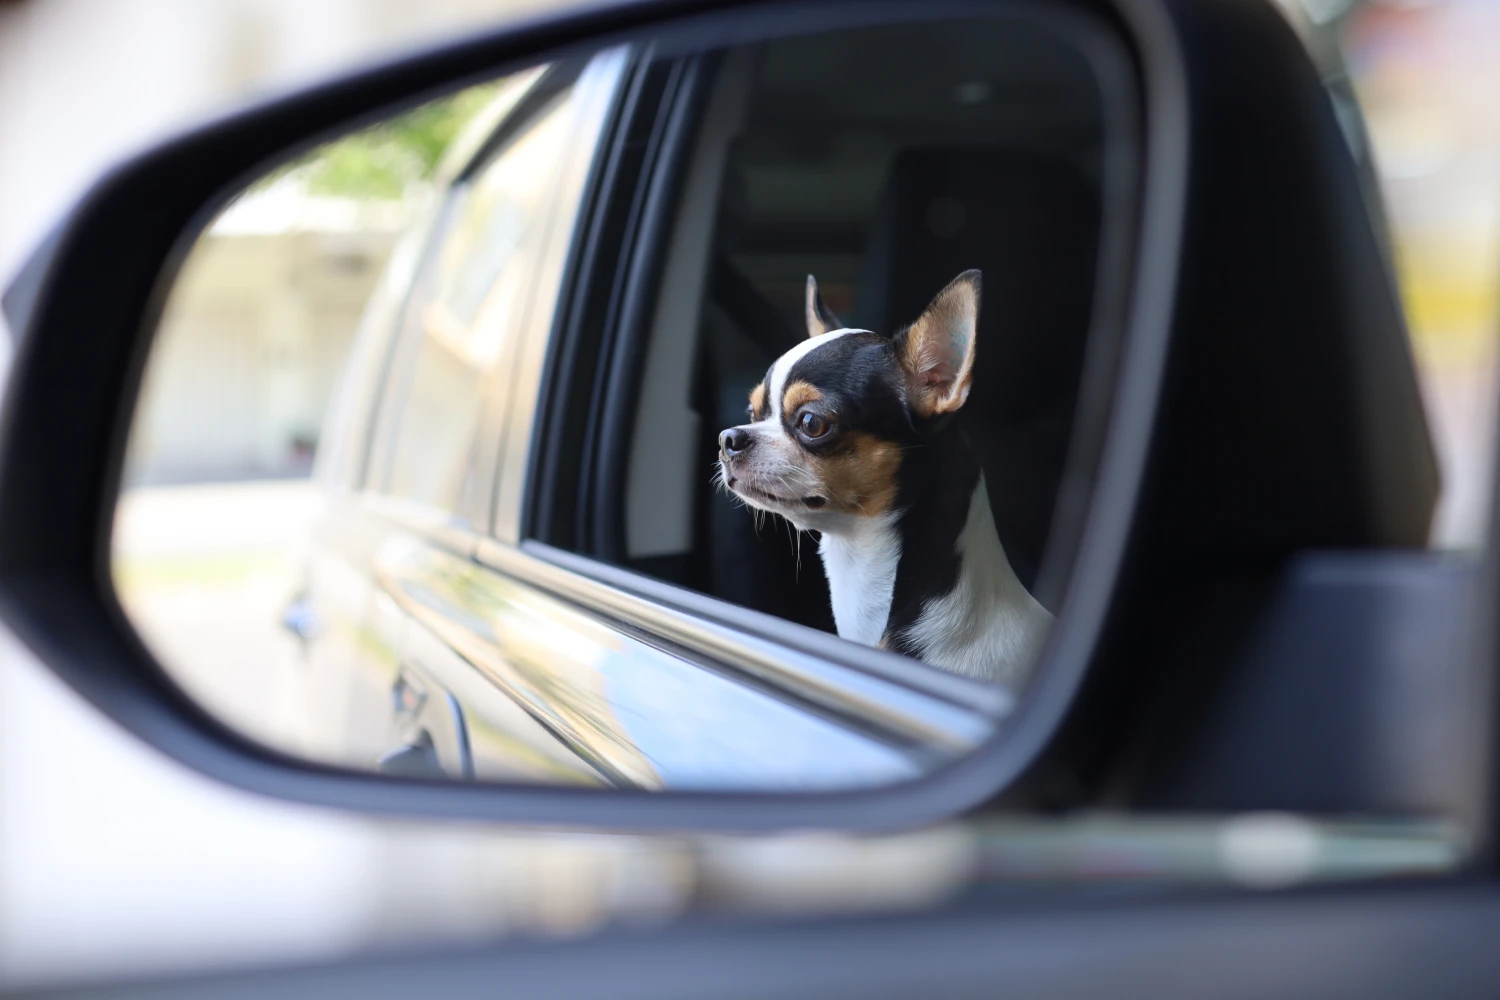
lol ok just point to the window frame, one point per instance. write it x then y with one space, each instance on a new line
383 416
800 658
939 715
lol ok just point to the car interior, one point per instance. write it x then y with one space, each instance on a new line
884 161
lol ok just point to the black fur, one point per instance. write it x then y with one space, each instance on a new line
937 485
858 375
861 380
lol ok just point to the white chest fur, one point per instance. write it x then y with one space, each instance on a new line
860 563
987 627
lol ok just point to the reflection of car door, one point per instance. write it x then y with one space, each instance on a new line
637 691
331 614
490 279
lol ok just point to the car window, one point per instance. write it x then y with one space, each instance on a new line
345 439
981 146
471 301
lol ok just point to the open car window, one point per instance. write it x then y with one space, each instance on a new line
978 146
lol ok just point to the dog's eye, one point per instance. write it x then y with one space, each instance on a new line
812 425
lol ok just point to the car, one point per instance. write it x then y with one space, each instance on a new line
524 600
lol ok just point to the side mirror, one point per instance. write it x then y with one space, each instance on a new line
1192 376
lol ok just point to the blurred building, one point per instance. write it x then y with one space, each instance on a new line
254 344
84 82
253 337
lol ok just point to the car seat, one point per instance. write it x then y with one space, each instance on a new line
1030 222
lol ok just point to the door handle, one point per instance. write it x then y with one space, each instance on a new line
417 759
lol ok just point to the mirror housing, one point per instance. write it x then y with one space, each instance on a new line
1263 346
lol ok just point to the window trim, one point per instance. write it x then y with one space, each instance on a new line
815 665
658 198
553 506
879 663
904 701
600 86
898 707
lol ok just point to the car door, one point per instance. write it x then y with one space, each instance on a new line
435 431
330 613
349 634
524 644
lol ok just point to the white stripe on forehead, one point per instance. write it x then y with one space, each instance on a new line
784 364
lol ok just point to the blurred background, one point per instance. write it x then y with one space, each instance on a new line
113 859
217 490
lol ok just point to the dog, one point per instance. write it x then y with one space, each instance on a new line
852 435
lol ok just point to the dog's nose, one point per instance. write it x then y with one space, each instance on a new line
734 441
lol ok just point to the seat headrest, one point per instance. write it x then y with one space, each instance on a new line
1030 222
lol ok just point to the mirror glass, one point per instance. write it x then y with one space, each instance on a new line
674 416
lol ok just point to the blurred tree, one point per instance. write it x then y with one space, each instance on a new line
383 161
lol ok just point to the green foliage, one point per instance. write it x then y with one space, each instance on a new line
382 161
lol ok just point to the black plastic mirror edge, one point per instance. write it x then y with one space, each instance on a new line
80 355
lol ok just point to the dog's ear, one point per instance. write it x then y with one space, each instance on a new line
820 318
937 351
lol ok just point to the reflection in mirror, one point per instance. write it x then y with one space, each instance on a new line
657 419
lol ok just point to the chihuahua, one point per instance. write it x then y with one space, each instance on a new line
852 435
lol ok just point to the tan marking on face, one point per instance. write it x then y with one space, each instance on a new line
861 477
798 395
758 401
